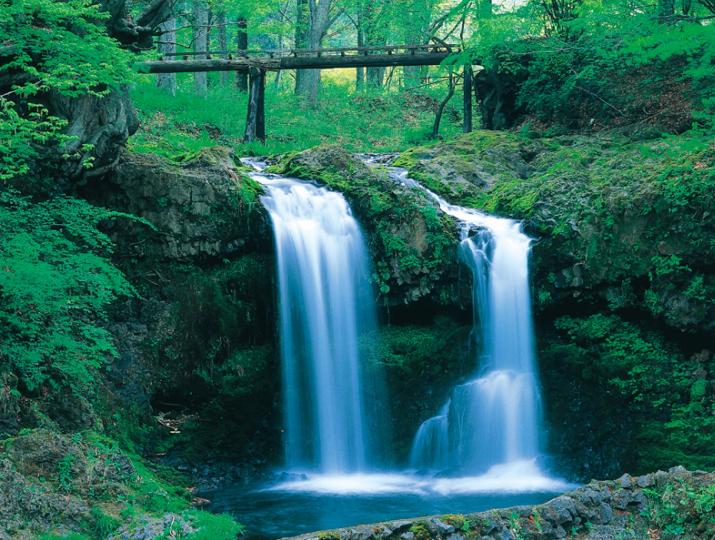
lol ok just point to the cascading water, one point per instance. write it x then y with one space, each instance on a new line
492 420
326 309
485 436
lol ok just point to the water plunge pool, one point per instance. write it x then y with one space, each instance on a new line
308 503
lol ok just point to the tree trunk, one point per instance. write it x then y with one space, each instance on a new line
98 126
467 127
255 116
440 108
666 11
360 72
201 41
375 77
222 43
302 31
307 82
167 44
241 46
419 16
373 36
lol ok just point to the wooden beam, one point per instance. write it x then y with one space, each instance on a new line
467 127
377 60
289 62
256 114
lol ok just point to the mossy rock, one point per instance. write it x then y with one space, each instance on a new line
413 244
82 484
609 216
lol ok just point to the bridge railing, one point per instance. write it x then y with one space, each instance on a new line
334 51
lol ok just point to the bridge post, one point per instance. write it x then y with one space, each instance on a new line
467 128
256 114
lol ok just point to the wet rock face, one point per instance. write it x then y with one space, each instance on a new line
201 332
630 507
202 209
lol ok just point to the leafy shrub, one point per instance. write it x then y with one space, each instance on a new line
56 282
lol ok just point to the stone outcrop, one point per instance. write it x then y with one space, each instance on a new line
202 208
661 505
200 332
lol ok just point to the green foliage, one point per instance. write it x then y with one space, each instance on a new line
65 472
680 508
214 526
602 63
59 47
421 364
55 286
667 401
110 488
369 122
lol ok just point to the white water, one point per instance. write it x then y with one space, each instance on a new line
515 477
491 422
326 308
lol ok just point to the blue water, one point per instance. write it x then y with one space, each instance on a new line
276 514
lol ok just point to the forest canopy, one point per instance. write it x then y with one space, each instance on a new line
576 65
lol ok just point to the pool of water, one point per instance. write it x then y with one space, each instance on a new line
311 503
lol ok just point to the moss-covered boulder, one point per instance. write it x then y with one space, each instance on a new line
673 504
202 207
624 223
84 486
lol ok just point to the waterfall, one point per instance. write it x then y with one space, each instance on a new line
326 315
493 419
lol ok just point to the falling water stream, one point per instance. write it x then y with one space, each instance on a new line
326 308
480 451
492 420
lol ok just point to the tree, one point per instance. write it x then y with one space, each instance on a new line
241 45
64 112
666 10
167 45
416 31
200 14
221 23
313 19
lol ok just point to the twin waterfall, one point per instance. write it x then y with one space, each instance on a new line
327 320
326 309
493 419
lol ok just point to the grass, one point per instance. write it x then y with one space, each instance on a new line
377 121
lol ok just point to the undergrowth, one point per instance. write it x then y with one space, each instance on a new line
359 122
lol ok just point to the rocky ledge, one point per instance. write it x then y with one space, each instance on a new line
659 506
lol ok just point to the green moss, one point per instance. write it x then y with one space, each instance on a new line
100 489
213 526
680 509
413 244
421 364
419 529
637 370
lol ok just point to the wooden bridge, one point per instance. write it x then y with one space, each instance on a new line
257 62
